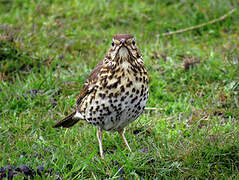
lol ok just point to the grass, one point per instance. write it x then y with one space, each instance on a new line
47 50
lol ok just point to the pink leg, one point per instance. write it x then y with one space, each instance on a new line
121 132
99 136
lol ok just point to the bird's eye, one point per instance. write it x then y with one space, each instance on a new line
133 42
112 43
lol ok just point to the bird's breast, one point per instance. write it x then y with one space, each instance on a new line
118 98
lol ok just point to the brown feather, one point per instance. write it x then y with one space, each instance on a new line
67 122
91 80
123 36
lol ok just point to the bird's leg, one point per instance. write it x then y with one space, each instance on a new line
99 136
121 132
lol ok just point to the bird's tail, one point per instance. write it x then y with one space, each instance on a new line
67 122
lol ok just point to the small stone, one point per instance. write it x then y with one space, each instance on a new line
137 131
60 56
2 172
40 170
144 150
2 169
11 174
69 166
27 170
121 171
49 171
115 163
10 167
23 153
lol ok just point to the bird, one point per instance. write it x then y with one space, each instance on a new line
115 93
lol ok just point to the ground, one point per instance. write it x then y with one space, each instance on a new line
47 50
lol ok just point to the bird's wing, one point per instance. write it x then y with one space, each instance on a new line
90 83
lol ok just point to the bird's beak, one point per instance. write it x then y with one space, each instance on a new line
122 42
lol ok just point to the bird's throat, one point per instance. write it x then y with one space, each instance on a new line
124 53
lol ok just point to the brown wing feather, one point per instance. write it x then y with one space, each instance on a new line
67 122
90 81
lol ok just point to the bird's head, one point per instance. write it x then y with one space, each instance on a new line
123 47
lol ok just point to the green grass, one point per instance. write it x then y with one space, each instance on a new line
52 46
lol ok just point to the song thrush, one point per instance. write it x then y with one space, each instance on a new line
116 91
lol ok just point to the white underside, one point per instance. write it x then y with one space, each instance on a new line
78 115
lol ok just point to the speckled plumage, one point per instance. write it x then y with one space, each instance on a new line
116 91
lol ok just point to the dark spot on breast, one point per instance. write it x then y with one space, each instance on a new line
114 85
127 93
138 103
97 108
142 92
130 83
102 95
144 81
134 99
122 89
111 119
116 94
128 71
104 83
133 90
114 107
110 95
134 70
122 98
86 103
116 70
137 91
91 98
107 109
84 109
110 77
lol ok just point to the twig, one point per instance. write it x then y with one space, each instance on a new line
200 25
152 108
